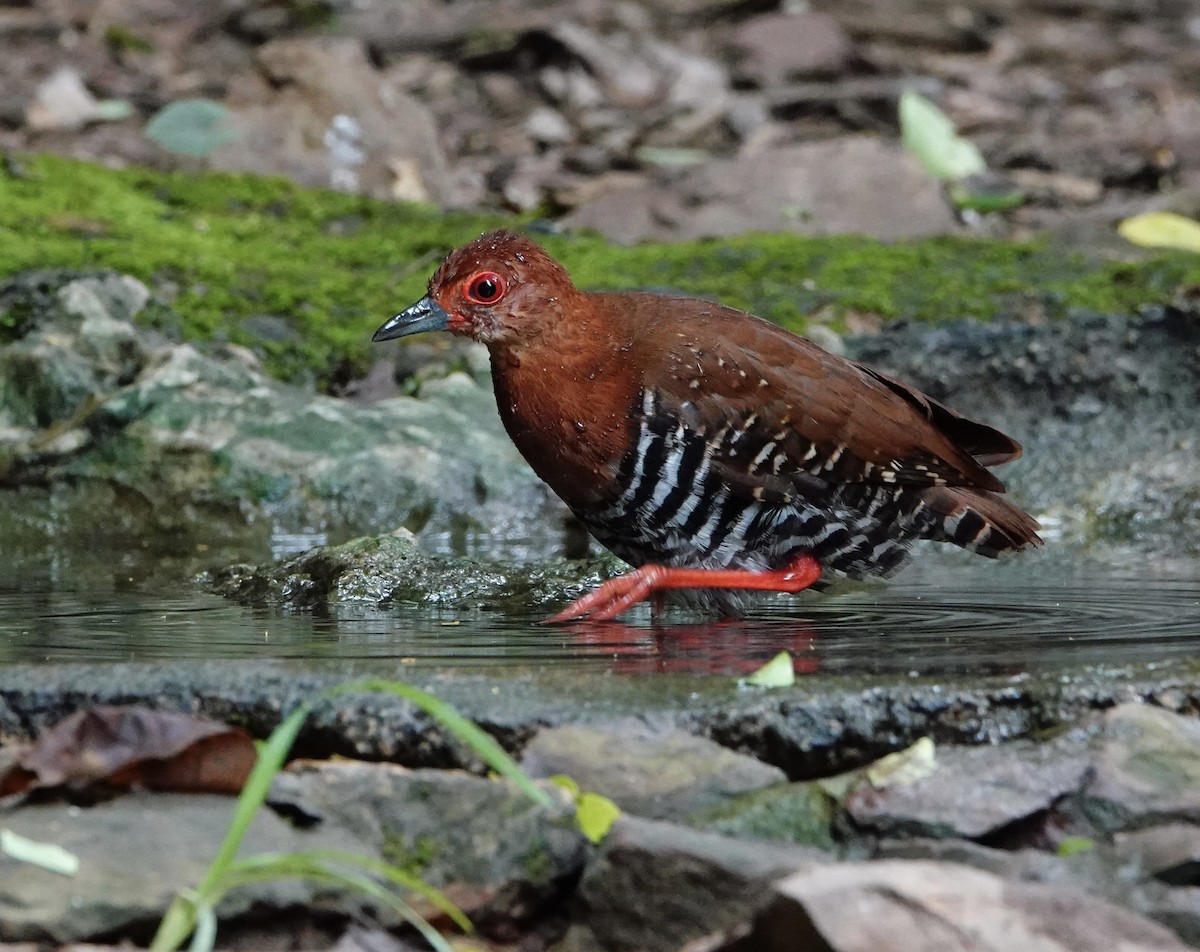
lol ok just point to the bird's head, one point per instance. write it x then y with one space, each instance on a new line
500 289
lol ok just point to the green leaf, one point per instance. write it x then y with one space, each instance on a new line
596 815
928 133
564 782
986 201
904 767
49 856
114 110
1071 845
1161 230
191 126
779 672
667 157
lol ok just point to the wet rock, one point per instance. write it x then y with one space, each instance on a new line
806 189
47 377
974 791
388 570
1156 500
1097 400
173 447
919 905
653 771
135 853
1147 769
443 827
330 120
656 886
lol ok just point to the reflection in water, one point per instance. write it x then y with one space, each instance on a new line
960 620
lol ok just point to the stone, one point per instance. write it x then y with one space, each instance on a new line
974 791
922 906
501 857
211 450
135 853
62 102
327 118
659 772
547 126
391 570
774 47
1169 852
800 813
853 184
1146 769
655 886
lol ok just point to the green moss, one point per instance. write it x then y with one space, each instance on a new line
120 38
303 276
413 857
789 812
537 865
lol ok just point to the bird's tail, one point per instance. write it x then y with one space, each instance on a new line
978 520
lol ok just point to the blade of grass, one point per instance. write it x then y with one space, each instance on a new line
370 864
299 866
181 918
482 743
205 936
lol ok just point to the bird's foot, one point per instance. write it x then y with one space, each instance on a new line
623 592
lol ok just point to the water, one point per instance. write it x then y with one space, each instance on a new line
938 618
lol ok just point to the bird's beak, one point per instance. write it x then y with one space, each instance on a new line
425 315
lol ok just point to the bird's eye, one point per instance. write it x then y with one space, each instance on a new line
486 288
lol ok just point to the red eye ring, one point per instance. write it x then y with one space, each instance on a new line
487 287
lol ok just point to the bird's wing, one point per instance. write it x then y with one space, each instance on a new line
775 407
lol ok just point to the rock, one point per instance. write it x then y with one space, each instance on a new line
328 119
62 102
55 365
626 77
1155 501
1147 769
390 570
922 906
656 772
853 184
800 813
547 126
774 47
138 850
974 791
501 857
135 853
1169 852
171 447
656 886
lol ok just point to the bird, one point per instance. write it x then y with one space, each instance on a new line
714 451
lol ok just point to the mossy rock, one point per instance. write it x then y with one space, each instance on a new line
303 276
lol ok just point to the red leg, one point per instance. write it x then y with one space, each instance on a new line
624 591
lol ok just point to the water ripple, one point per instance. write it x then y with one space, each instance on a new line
932 622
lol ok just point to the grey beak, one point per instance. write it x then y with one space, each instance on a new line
425 315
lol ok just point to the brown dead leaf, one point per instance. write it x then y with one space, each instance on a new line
134 746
